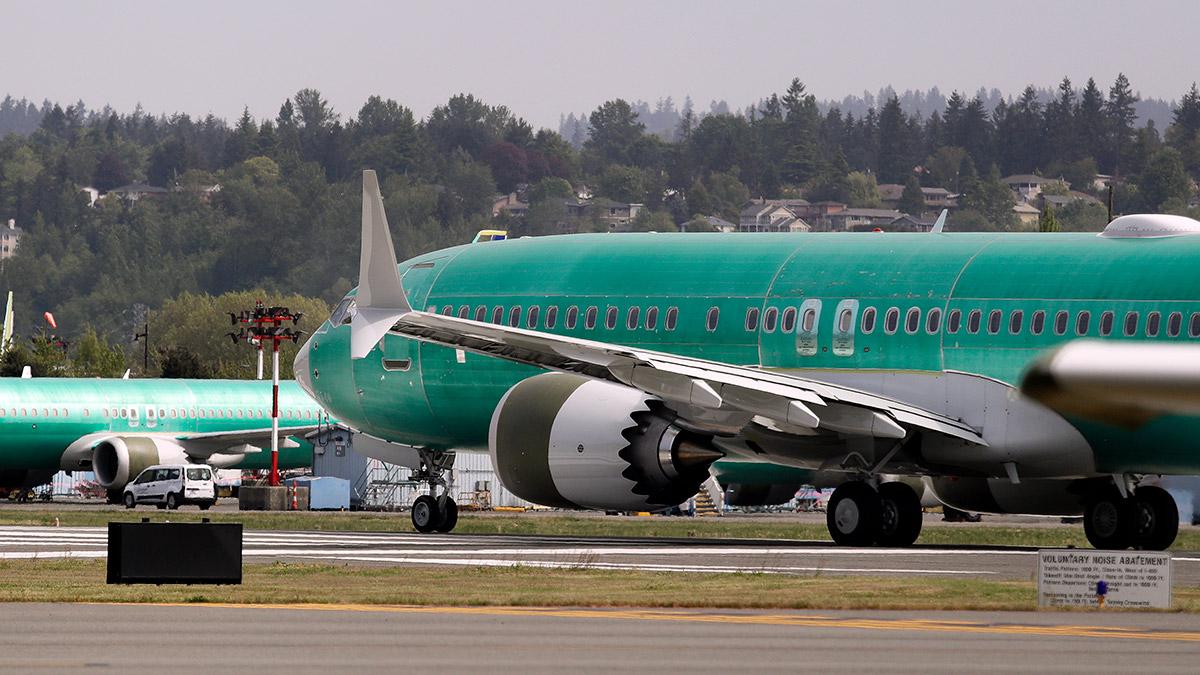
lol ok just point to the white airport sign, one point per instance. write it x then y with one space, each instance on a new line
1072 578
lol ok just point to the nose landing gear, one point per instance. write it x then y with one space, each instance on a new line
432 513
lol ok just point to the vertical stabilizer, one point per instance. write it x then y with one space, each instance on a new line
6 332
940 223
381 298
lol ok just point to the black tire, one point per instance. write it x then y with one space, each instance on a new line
449 513
1107 521
899 516
204 506
853 515
172 501
130 500
425 516
1155 518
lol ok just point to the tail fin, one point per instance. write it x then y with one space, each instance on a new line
7 331
940 223
381 298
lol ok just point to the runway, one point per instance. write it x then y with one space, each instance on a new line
667 555
185 638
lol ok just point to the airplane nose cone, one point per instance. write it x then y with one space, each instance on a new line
301 369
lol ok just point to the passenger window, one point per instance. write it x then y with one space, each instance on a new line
973 321
514 317
1037 323
1153 321
868 321
933 320
448 310
1014 321
953 321
994 319
891 320
551 316
464 311
711 319
672 318
1131 323
1106 323
1060 322
770 319
810 320
844 320
789 320
572 317
1082 320
631 318
589 319
610 318
1194 325
912 320
498 316
752 319
1174 324
652 318
481 313
531 317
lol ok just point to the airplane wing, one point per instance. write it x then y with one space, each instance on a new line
201 446
1126 383
709 394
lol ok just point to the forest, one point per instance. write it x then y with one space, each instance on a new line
269 207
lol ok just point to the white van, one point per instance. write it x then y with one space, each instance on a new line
169 486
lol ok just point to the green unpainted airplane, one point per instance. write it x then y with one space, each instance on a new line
117 427
615 371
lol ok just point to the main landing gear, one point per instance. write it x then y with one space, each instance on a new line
431 513
861 515
1145 519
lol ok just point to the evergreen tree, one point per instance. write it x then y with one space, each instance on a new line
1090 124
1047 221
1120 117
912 200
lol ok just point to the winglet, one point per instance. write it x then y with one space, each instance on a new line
940 223
381 298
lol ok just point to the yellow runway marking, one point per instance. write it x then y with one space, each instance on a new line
799 620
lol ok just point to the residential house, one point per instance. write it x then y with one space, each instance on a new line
858 219
10 236
908 223
616 213
135 191
714 224
1026 213
1028 186
936 198
770 217
509 204
1059 201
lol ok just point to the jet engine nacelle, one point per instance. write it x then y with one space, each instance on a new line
1043 497
566 441
119 459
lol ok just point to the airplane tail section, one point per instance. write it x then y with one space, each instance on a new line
381 298
6 332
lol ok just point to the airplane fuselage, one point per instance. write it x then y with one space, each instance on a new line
945 321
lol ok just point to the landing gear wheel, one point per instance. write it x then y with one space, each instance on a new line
172 501
1155 518
425 515
130 502
853 514
899 516
1107 521
449 513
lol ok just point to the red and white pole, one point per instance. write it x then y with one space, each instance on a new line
274 412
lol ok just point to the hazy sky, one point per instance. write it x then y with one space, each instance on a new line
546 58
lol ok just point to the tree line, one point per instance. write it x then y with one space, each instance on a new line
284 218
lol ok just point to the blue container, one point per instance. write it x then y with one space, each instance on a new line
325 493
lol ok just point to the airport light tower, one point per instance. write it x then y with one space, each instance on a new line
259 326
